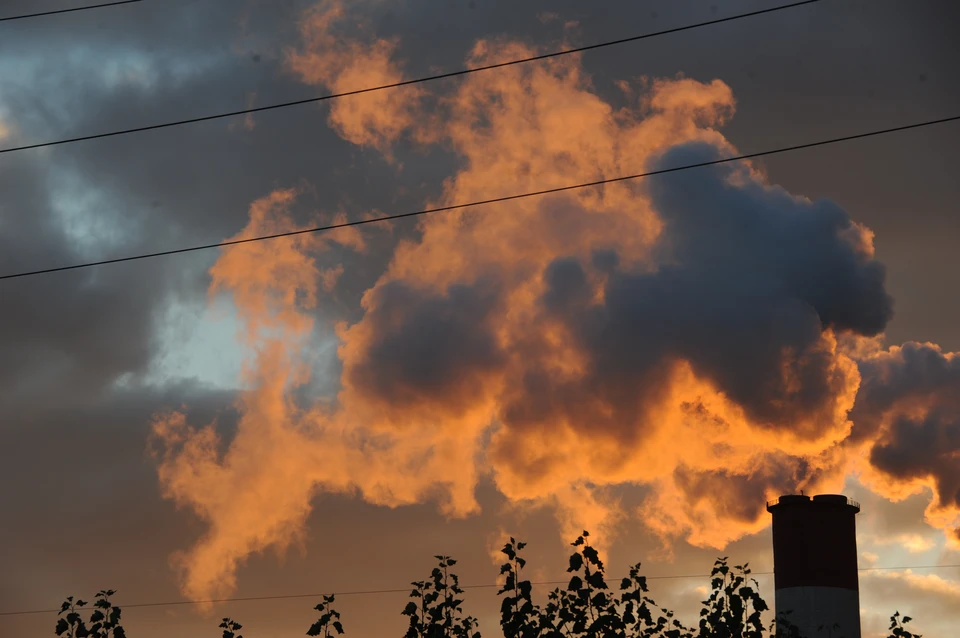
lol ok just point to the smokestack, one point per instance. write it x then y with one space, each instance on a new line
815 564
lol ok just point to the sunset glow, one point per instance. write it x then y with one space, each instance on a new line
652 359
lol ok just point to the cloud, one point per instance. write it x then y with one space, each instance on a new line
929 598
908 412
913 543
557 346
83 330
330 57
249 506
78 345
928 583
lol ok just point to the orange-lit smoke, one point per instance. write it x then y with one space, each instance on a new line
908 429
690 334
345 64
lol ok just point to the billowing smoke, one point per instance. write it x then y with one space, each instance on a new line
907 416
332 56
560 345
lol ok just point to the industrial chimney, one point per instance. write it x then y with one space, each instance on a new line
815 564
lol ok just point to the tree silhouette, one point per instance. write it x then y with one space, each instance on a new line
437 612
519 616
586 608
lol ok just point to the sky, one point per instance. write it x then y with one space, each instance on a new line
651 360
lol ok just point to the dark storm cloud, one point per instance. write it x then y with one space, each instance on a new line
170 61
79 331
69 332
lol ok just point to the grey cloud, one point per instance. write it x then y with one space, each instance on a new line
78 332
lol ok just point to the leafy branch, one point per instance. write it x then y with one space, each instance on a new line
104 622
329 619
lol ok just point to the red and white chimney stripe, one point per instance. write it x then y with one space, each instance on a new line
815 564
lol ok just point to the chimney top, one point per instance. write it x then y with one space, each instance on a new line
800 500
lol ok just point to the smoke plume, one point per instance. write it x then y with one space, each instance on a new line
689 333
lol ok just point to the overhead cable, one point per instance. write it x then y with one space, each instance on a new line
484 202
368 592
382 87
70 10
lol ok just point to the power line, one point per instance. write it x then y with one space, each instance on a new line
548 191
394 85
85 8
366 592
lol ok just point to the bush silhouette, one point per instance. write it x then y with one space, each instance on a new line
587 607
